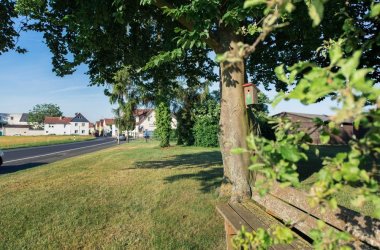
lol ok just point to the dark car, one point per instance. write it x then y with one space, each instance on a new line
122 138
1 157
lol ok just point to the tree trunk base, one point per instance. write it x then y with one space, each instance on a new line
225 189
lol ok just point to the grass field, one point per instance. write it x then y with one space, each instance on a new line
9 142
133 196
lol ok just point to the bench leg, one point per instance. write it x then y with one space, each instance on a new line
229 234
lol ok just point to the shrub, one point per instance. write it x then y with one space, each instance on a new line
206 127
163 124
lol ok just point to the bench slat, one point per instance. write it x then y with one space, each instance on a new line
285 212
363 228
232 217
253 213
238 215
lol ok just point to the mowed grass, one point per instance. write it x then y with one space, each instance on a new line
133 196
9 142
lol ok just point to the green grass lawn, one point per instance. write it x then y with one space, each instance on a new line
133 196
11 142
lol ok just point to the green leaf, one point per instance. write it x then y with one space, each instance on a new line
375 10
256 166
349 66
290 153
238 151
333 203
220 58
253 3
335 54
316 10
325 137
280 73
279 97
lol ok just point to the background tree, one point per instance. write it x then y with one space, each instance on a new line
206 116
124 94
163 123
40 111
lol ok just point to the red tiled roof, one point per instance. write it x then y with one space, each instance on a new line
139 112
57 120
92 125
109 121
144 116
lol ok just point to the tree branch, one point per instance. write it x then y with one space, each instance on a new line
210 41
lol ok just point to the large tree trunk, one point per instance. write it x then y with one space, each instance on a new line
233 120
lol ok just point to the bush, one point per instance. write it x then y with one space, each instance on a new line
163 124
206 127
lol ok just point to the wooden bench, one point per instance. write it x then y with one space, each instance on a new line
288 204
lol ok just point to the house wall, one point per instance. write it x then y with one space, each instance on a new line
57 129
115 130
149 124
80 128
9 131
107 129
308 126
36 132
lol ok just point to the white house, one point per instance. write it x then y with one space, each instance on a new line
146 121
16 124
109 127
77 125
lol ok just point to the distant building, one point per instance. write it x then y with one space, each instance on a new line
146 122
16 124
92 128
77 125
307 125
106 127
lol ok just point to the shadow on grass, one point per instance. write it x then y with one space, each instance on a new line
314 163
204 159
209 178
15 168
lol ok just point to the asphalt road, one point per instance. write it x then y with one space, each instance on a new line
24 158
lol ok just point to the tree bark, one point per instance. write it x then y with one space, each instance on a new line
233 119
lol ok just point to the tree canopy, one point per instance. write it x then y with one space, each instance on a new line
8 32
37 115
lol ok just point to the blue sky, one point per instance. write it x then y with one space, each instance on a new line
27 80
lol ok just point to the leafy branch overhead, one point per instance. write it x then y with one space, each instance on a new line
353 88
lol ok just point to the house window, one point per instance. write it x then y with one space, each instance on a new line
76 124
82 131
64 125
11 118
83 124
76 131
47 132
